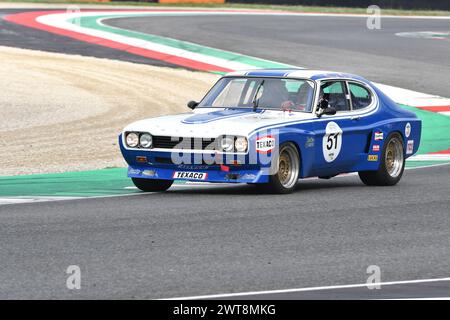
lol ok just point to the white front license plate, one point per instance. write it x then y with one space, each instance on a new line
190 175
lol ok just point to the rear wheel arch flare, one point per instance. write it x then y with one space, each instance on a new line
402 136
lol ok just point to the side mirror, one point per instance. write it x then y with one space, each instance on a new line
329 111
192 104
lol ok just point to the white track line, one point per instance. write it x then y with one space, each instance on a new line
437 298
430 157
348 286
25 199
17 200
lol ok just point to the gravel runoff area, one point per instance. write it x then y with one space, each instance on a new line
64 112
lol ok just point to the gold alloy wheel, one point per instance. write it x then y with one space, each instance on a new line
283 171
394 157
288 166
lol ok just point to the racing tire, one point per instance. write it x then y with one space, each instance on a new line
392 164
152 185
287 168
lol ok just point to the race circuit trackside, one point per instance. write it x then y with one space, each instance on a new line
212 241
91 26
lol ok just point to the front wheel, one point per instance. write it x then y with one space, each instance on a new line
392 164
288 169
152 185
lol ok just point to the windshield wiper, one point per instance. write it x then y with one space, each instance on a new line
255 99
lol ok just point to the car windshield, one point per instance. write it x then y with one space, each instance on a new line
262 93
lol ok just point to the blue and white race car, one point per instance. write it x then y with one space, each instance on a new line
271 128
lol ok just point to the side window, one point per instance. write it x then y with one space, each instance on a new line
361 97
335 93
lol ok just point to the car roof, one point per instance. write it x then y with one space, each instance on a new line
296 73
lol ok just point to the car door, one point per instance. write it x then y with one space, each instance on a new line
363 101
339 142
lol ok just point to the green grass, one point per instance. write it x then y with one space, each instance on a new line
253 6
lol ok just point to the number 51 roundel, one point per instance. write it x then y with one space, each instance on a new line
332 141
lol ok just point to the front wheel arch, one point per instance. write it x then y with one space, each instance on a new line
299 153
276 183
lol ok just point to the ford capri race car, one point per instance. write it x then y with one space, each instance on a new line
272 127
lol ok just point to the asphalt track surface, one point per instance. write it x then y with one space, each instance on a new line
190 242
197 241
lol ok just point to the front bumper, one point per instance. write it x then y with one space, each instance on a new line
147 164
204 173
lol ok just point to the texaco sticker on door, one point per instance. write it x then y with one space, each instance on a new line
332 141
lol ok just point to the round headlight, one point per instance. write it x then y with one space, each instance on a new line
241 144
132 139
146 140
227 144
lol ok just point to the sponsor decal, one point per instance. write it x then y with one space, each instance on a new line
332 141
134 171
249 176
372 157
378 136
192 167
410 147
265 144
408 130
309 142
376 148
150 173
190 175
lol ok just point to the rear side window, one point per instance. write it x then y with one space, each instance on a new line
361 97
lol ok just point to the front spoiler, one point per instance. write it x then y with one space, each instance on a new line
213 173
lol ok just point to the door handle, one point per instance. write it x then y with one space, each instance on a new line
355 118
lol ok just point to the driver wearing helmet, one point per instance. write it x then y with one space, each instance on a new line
302 100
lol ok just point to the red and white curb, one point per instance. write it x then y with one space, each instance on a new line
434 156
416 99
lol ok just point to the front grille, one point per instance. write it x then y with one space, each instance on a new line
164 160
164 142
195 162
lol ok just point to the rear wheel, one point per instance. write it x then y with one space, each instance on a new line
286 177
152 185
392 164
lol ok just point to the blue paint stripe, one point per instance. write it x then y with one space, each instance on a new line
219 115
